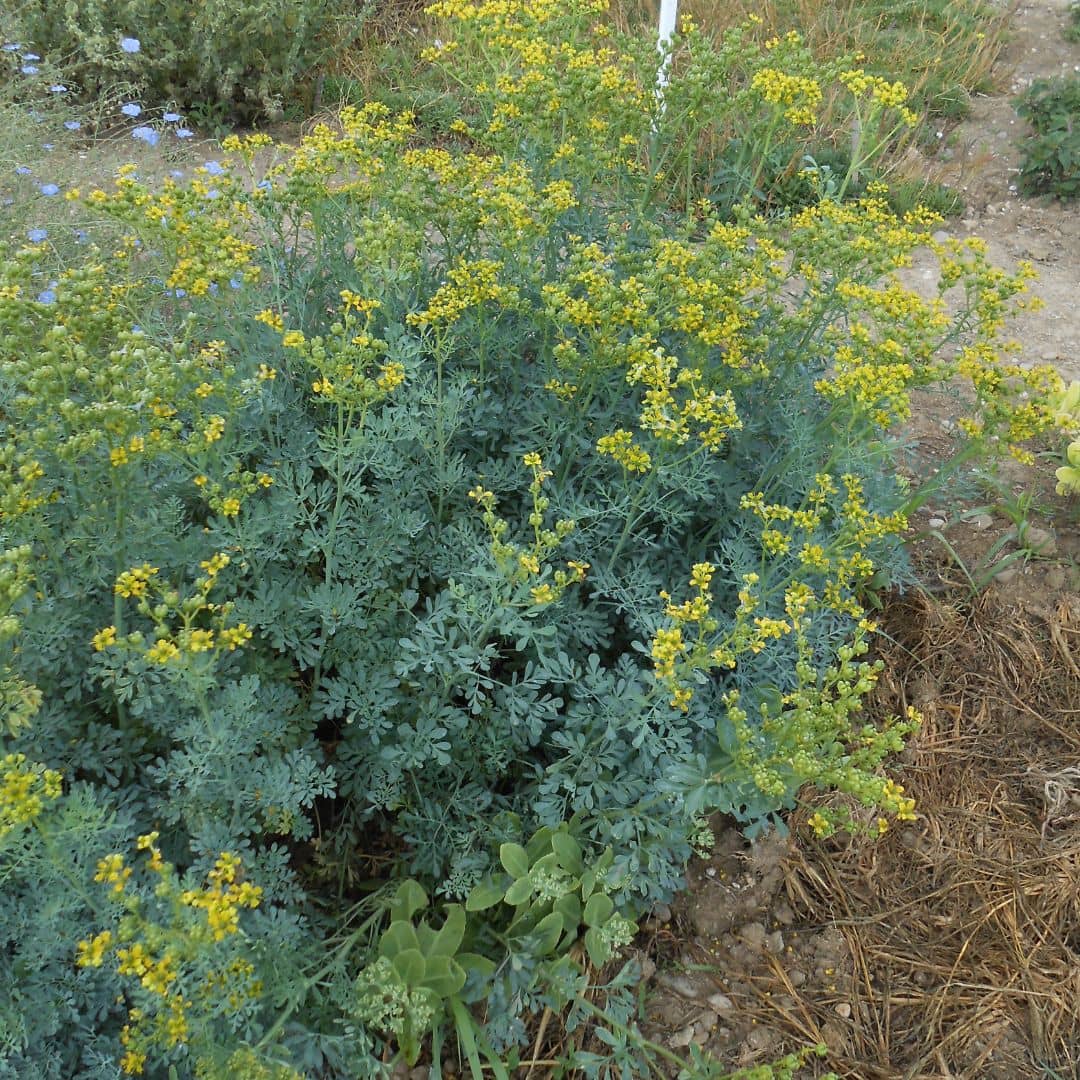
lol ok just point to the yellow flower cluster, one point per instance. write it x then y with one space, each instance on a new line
163 958
24 791
188 639
469 284
798 94
224 898
522 565
620 445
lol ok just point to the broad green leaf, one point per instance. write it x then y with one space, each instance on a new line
443 976
598 910
569 852
548 931
596 947
484 895
448 939
519 892
409 964
399 936
409 899
514 859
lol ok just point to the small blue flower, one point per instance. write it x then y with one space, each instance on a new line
81 236
35 236
23 170
130 44
72 125
131 109
213 288
29 69
177 174
265 185
235 283
12 46
147 135
49 189
213 193
184 133
171 117
46 296
30 56
48 146
58 88
214 168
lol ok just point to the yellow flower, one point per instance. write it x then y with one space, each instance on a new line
230 507
271 319
104 638
200 641
162 651
214 428
91 952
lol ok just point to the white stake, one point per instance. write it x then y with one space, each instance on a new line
669 10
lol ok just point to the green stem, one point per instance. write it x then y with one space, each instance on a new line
120 526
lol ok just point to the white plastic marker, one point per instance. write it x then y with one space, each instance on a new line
669 10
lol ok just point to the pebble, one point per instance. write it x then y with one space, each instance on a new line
843 1010
1041 541
682 1038
1056 577
1003 577
648 968
982 522
662 913
775 943
940 236
755 935
797 977
721 1003
682 986
936 522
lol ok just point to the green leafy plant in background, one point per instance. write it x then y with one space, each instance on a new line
1051 161
408 546
245 57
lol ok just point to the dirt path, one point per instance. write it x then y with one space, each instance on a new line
981 158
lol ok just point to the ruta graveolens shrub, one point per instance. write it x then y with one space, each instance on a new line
407 547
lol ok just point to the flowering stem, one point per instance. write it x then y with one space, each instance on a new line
120 520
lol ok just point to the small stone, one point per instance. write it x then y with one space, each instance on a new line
1041 541
1003 577
680 984
982 522
1050 356
681 1038
1037 248
775 943
1056 578
843 1010
662 913
754 934
721 1002
783 914
936 523
648 968
797 977
940 236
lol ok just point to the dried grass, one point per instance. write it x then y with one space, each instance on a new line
964 929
